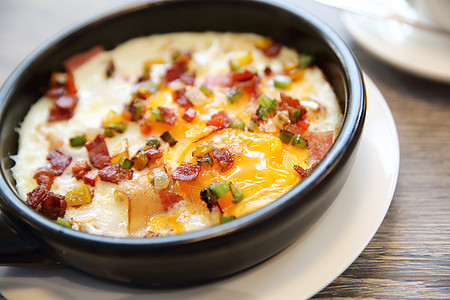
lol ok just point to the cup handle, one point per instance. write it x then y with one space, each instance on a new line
18 249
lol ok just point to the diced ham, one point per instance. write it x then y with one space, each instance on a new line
98 152
186 172
115 174
77 60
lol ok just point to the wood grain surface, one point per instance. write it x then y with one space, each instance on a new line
409 257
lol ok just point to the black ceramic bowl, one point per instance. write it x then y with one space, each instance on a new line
29 239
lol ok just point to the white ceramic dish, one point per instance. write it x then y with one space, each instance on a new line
302 270
416 51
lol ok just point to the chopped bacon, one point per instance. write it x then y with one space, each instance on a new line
188 77
115 174
302 172
110 69
224 158
55 92
145 129
44 176
219 120
186 172
240 76
251 87
98 152
59 161
79 168
53 206
168 115
220 80
189 114
36 196
181 99
319 142
63 108
268 71
273 50
153 153
304 123
175 72
90 178
288 101
77 60
169 197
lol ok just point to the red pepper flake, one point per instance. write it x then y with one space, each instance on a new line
169 197
53 206
44 176
63 108
180 98
186 172
59 161
189 114
168 115
115 174
36 196
219 120
98 152
224 158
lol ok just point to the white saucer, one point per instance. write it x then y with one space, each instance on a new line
413 50
300 271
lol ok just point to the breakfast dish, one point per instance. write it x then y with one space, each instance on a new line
419 52
299 272
174 133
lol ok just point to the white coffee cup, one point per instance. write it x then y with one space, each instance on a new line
432 12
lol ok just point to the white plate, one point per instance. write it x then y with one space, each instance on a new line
410 49
300 271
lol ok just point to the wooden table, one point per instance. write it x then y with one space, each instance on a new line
409 257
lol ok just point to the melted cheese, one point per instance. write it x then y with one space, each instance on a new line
262 167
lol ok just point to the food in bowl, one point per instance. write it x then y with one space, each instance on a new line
174 133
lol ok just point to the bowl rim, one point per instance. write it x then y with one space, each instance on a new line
350 129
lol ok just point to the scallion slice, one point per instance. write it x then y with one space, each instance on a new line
108 132
219 188
297 114
77 141
236 192
168 138
234 94
63 222
264 101
206 91
224 219
286 136
120 127
237 125
299 141
156 113
125 162
282 81
153 142
304 60
137 109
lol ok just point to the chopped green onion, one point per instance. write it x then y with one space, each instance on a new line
125 162
234 65
236 192
168 138
175 55
151 86
286 136
263 112
137 109
108 132
264 101
253 125
234 94
206 91
297 114
224 219
153 142
304 60
63 222
120 127
77 141
237 125
156 113
282 81
219 188
299 141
